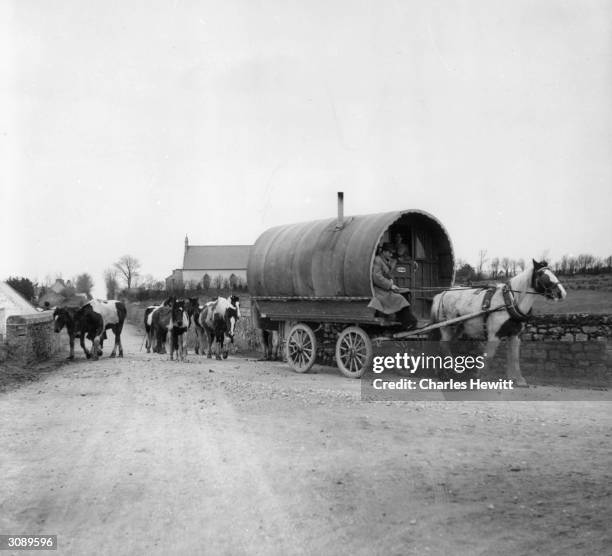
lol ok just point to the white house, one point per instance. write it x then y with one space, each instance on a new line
11 303
214 260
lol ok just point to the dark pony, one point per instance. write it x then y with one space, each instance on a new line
91 321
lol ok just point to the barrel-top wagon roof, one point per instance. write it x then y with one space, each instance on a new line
321 259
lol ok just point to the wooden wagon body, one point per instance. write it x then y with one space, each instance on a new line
319 272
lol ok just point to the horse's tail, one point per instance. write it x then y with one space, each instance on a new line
436 308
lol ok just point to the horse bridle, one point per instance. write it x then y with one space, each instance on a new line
540 288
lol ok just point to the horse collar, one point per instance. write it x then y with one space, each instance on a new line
512 306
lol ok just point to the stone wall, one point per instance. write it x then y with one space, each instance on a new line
577 347
31 338
580 327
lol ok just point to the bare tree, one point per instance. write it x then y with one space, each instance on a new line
494 267
206 280
128 267
110 281
148 282
505 265
482 259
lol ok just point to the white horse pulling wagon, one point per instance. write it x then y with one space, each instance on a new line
312 279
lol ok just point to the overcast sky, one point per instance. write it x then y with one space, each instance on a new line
125 125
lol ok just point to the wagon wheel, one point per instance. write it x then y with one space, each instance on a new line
353 352
301 348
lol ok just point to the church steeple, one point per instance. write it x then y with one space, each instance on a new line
186 242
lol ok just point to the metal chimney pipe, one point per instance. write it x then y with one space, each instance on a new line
340 209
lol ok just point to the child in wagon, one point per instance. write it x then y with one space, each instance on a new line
386 298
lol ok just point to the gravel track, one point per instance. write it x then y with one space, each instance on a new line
142 455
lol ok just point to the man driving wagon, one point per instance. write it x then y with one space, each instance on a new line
387 297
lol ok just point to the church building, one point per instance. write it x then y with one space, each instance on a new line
219 262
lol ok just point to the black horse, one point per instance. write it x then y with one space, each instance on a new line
91 321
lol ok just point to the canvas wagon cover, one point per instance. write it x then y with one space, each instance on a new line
318 259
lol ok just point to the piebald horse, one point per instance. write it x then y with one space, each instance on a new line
168 323
91 321
509 308
218 318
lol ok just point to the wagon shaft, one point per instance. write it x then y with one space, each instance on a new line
442 324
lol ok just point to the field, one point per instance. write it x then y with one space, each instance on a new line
585 294
577 301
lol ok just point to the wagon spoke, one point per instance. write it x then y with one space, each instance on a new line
359 358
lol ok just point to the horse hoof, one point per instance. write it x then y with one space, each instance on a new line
112 355
225 355
209 356
70 357
88 355
520 383
218 358
121 355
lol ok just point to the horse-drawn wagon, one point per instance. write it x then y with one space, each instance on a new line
313 280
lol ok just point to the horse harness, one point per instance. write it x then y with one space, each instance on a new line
510 305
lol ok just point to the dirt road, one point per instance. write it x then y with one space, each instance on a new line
147 456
